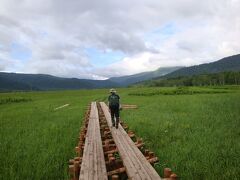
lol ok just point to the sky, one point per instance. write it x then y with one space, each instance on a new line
95 39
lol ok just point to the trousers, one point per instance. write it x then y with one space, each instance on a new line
114 110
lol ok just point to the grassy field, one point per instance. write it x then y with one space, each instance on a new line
194 131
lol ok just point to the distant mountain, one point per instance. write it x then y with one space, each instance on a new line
15 81
27 82
231 63
213 79
227 64
131 79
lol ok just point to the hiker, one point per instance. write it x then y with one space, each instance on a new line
113 104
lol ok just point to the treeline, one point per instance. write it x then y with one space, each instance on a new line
223 78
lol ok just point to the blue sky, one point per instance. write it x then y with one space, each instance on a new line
101 58
20 52
159 35
167 29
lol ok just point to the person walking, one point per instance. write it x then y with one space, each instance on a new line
113 104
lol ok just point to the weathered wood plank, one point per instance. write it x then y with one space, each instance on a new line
137 166
128 162
93 163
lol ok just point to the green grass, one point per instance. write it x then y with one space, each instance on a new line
36 142
195 134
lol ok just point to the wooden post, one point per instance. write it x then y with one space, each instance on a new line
77 149
173 177
167 172
76 169
71 172
115 177
71 162
109 156
146 152
139 140
153 160
151 155
107 145
111 160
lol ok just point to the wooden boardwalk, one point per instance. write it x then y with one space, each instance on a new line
137 166
93 164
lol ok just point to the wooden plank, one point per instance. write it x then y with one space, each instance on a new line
128 162
95 159
129 106
148 167
137 166
65 105
138 153
93 163
130 169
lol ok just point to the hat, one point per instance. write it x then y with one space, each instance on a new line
112 91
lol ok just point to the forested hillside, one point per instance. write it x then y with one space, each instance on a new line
15 81
223 78
131 79
231 63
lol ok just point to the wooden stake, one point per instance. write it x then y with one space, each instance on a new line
173 177
71 171
151 155
146 152
115 177
77 149
76 169
167 172
71 162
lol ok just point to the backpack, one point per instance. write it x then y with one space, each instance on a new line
113 100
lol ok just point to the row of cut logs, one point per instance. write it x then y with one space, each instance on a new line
75 164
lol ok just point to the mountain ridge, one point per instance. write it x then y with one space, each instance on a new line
20 81
230 63
226 64
28 82
131 79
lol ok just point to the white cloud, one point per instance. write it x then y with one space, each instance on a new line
58 31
